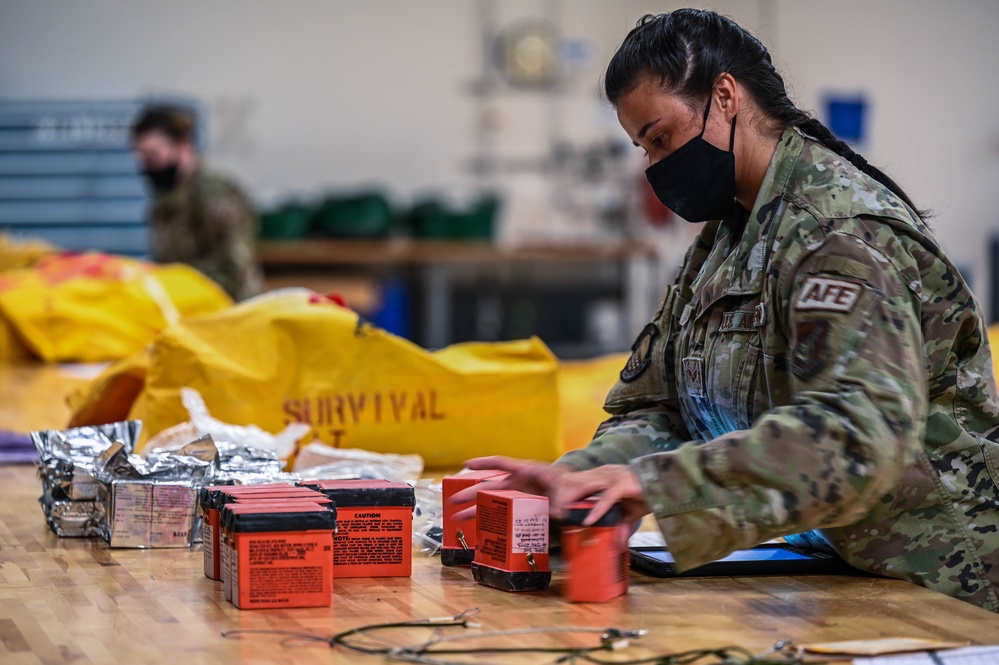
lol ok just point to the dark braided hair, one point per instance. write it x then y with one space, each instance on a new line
689 48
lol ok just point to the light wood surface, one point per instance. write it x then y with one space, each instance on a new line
77 601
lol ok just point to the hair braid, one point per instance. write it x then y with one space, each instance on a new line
812 127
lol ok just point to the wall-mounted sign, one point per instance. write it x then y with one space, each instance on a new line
846 116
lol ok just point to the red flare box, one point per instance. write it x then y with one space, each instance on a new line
453 553
596 557
211 499
226 541
511 541
374 527
281 554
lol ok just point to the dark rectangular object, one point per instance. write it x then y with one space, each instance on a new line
770 559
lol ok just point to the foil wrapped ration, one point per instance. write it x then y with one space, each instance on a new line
93 484
152 501
66 468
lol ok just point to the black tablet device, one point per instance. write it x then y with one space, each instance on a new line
767 559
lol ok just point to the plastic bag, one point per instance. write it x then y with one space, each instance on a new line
201 423
317 460
428 517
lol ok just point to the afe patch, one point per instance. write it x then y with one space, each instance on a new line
828 295
811 349
641 354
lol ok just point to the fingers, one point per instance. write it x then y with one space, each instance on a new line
469 493
605 502
612 484
465 514
498 462
466 495
574 487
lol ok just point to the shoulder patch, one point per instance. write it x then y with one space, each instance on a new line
828 295
810 352
641 354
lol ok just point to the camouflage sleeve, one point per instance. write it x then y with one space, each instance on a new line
230 227
646 413
857 415
628 436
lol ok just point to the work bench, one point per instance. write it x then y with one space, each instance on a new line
68 600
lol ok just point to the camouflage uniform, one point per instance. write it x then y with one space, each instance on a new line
819 364
207 223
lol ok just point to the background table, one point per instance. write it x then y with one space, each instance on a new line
438 270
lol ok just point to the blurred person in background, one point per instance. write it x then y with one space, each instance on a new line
198 217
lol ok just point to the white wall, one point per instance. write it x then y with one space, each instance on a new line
308 94
324 92
929 70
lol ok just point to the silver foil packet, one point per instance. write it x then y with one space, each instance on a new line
235 458
152 501
66 469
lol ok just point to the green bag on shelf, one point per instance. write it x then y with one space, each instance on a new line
363 215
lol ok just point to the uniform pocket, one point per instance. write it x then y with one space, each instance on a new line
990 449
720 366
746 387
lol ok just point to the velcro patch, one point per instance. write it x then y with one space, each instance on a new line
641 354
810 353
828 295
693 375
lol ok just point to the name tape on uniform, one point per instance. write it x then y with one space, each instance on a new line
830 295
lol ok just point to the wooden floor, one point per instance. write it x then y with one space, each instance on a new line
77 601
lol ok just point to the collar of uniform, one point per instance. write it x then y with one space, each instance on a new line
735 264
778 175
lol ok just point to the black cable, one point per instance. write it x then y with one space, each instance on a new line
425 653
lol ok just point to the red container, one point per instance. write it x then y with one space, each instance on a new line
458 547
210 499
511 541
281 555
596 557
227 542
374 527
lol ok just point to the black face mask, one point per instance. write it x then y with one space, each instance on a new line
697 180
163 180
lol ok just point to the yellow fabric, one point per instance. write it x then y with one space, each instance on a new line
993 332
16 254
582 388
286 357
94 307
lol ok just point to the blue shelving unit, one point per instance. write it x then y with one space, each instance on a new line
67 175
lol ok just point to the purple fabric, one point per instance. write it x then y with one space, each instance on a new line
16 448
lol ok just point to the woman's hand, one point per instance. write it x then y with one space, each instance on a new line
614 483
525 475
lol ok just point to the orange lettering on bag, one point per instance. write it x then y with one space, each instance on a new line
339 410
419 408
356 406
398 404
434 415
291 411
